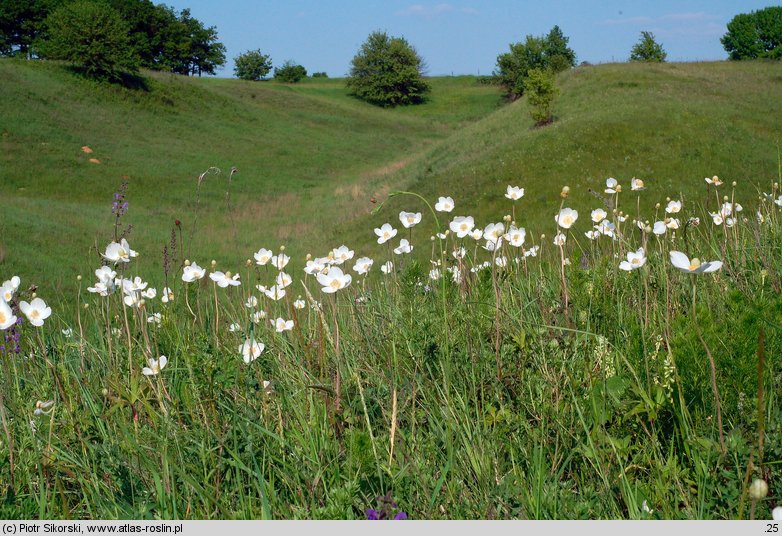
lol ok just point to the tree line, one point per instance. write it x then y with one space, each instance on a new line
109 37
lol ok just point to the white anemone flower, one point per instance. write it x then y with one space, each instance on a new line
515 236
514 193
659 228
566 218
280 324
105 274
251 303
10 287
280 261
673 207
435 274
149 294
606 228
502 262
672 223
409 219
715 180
36 311
694 266
592 235
315 266
778 201
250 350
532 252
341 254
263 256
167 295
363 265
155 366
385 233
233 328
493 233
404 247
275 292
135 284
299 304
7 317
637 185
133 299
119 252
224 280
612 186
716 218
387 267
283 280
459 253
776 513
68 332
257 316
462 226
560 239
635 259
599 215
335 280
156 318
193 273
444 204
102 289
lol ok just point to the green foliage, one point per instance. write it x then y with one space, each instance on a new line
387 71
540 89
252 65
755 35
290 72
92 36
320 74
647 49
545 52
22 23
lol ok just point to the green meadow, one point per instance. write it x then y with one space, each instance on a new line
544 375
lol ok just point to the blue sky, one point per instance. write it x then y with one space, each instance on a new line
463 36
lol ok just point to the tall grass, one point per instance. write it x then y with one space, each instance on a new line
552 385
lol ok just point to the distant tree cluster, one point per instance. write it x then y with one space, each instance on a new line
252 65
547 53
648 49
104 37
755 35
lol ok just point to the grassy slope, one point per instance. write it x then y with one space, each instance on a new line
310 157
671 125
303 153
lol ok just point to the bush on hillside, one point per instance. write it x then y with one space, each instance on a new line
755 35
93 37
388 71
252 65
540 90
320 74
290 72
549 52
648 49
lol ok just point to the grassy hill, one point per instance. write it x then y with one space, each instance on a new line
310 157
303 153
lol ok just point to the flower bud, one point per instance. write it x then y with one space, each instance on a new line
78 278
282 248
248 262
187 262
214 263
758 489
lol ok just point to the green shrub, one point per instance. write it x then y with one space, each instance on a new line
545 52
541 91
320 74
647 49
290 72
93 37
387 71
252 65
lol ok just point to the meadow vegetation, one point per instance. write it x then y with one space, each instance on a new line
441 311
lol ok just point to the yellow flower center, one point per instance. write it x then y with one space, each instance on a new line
35 313
3 318
336 284
695 264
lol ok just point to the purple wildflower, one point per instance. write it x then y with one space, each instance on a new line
387 510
